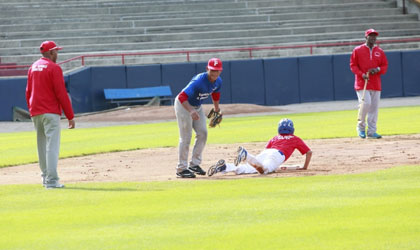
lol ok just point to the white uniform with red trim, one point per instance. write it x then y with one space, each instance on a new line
276 152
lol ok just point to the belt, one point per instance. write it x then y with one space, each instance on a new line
280 152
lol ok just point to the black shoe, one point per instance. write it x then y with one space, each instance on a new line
197 170
185 174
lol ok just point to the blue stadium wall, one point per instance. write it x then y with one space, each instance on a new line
270 82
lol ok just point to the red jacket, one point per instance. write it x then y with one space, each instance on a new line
46 91
362 59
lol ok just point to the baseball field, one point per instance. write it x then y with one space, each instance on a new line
121 191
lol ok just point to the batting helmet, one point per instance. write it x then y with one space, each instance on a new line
215 64
286 127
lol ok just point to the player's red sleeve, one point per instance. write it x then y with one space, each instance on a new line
182 97
302 147
354 66
29 87
61 92
215 96
269 144
384 64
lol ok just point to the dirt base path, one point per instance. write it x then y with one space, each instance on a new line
331 156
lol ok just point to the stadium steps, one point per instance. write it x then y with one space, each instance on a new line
92 27
216 38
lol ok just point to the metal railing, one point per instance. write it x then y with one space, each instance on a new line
188 53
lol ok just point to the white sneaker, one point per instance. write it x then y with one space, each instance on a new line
242 154
56 185
219 167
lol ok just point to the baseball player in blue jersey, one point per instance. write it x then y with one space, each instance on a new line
190 115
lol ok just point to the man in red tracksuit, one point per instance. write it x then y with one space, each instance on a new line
368 61
46 97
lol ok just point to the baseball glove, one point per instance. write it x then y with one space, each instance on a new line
215 118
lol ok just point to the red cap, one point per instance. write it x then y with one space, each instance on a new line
47 46
215 64
371 31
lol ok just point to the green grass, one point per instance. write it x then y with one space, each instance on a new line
365 211
20 148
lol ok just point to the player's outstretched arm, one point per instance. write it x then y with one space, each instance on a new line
307 160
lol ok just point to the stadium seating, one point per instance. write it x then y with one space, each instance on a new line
138 95
109 26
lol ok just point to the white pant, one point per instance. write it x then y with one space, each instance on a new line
370 110
270 159
186 124
48 141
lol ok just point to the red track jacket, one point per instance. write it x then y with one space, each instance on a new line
46 91
362 59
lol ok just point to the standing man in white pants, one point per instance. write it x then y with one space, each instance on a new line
190 115
46 97
368 62
276 152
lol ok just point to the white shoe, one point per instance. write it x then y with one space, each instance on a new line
56 185
242 154
219 167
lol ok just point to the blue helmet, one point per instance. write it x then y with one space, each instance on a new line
286 127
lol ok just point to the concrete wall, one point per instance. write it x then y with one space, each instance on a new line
263 81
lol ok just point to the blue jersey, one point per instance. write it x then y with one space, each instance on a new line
199 88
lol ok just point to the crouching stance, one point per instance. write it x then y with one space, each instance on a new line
276 152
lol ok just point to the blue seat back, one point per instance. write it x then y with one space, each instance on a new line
137 92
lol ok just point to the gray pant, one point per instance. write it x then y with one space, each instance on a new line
48 140
186 124
370 110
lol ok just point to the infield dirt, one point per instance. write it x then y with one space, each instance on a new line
331 156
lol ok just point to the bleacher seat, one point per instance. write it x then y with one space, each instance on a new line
111 26
138 95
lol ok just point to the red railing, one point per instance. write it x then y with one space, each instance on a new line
189 52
